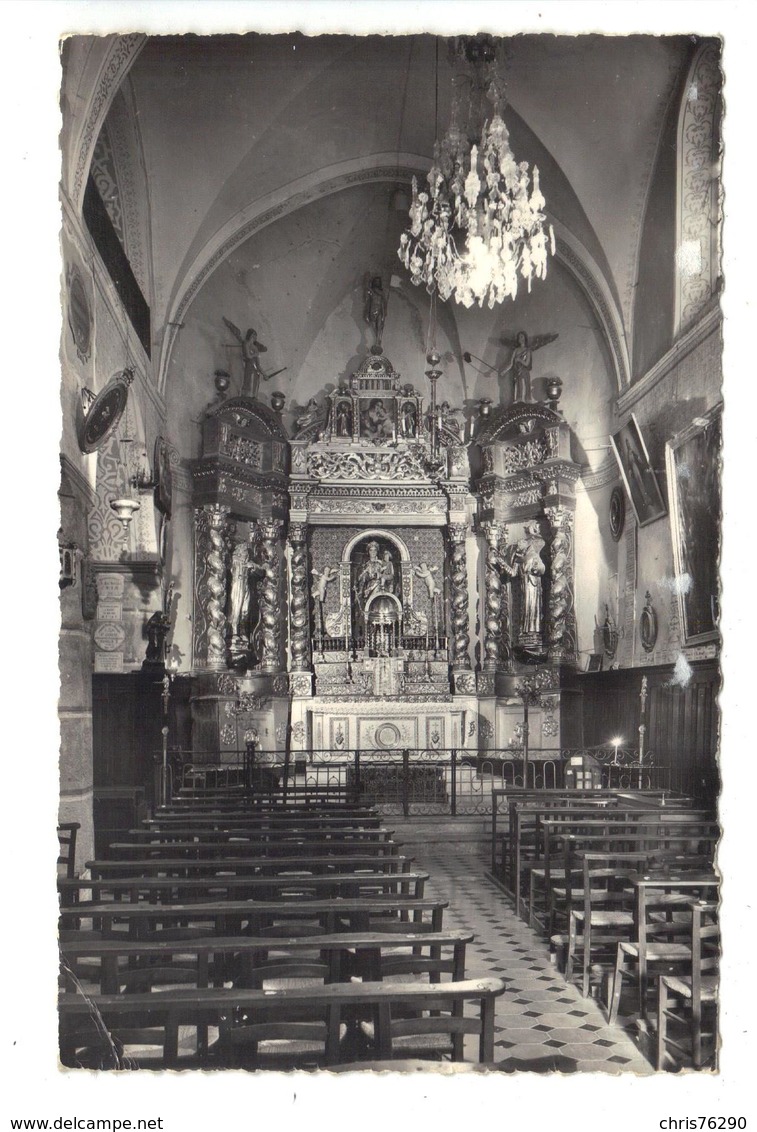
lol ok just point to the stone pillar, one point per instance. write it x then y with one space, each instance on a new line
211 530
269 593
299 611
494 636
459 597
561 638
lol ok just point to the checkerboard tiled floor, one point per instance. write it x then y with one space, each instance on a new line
542 1024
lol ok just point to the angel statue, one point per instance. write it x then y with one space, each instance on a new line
251 350
321 582
426 573
522 360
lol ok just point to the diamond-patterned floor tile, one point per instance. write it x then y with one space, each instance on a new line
543 1025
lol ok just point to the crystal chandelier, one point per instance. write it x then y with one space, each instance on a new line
480 224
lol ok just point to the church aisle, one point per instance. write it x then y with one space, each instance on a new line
541 1023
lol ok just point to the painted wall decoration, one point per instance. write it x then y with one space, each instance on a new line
693 461
637 472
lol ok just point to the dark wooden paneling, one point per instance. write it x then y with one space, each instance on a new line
682 723
127 722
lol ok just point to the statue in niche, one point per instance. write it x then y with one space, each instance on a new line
374 311
376 423
408 421
524 560
251 351
426 574
239 591
522 361
374 577
344 419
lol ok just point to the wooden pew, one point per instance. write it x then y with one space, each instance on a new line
550 825
379 953
327 864
274 846
649 833
543 821
224 917
226 831
384 1002
222 887
528 796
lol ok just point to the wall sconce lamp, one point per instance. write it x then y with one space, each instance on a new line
124 509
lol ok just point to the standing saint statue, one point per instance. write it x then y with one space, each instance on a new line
251 350
374 312
239 598
522 360
523 559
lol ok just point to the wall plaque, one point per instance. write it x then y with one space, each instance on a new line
109 636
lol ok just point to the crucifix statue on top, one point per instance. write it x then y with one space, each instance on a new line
374 311
521 361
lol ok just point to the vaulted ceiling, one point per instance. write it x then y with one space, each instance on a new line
229 121
271 165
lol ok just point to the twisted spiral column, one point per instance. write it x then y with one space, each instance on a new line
459 597
269 593
299 613
214 589
560 626
493 627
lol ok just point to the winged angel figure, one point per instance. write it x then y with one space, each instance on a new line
251 351
522 360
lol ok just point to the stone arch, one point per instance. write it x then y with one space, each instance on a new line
395 167
375 532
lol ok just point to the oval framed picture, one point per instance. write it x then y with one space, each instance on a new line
617 513
648 625
79 315
104 413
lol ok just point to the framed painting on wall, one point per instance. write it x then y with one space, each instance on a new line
693 462
638 474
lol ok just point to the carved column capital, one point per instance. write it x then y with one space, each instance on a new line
457 532
297 532
559 516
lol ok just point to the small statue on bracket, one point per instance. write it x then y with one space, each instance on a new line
522 361
157 630
251 351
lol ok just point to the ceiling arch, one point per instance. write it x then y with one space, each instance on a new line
377 168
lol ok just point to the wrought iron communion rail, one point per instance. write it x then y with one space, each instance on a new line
416 781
